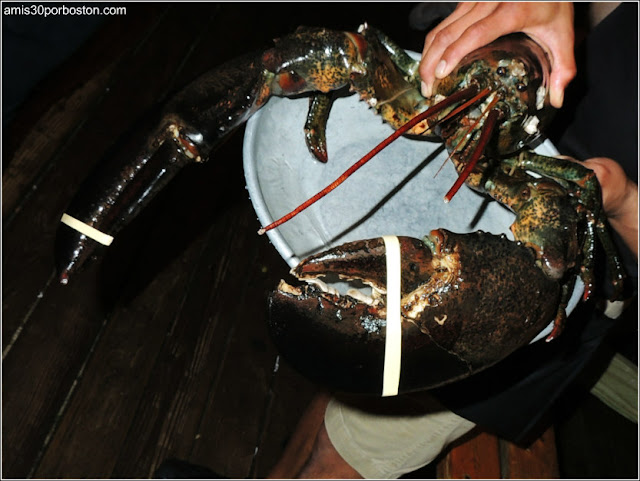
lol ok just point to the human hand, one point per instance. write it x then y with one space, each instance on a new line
619 198
475 24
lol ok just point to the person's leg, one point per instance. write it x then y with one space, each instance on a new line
379 439
325 462
385 438
309 452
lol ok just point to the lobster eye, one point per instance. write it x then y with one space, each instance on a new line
520 87
502 71
291 82
294 76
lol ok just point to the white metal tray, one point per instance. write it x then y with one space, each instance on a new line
395 193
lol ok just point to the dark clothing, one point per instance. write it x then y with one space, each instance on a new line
599 118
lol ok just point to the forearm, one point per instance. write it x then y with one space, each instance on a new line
619 199
625 220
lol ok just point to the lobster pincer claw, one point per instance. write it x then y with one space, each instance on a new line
339 340
457 316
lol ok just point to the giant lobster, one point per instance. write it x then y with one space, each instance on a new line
442 307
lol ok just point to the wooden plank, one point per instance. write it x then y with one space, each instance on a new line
90 435
291 396
40 370
537 461
227 38
477 457
32 158
484 456
203 332
231 425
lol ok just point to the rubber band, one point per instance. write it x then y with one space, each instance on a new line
91 232
393 341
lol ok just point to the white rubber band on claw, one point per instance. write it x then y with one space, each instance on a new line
91 232
393 341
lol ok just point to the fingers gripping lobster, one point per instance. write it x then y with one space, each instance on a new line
462 302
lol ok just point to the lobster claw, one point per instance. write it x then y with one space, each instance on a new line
457 318
190 127
339 340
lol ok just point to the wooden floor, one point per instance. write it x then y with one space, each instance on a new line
158 348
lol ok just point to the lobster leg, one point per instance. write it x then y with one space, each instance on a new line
582 179
560 320
584 184
316 124
407 65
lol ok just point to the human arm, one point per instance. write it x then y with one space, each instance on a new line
619 199
475 24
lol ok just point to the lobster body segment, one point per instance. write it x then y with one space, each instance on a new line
467 300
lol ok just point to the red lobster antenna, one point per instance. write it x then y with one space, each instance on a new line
453 98
455 112
485 135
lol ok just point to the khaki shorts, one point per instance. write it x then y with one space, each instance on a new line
388 437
